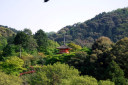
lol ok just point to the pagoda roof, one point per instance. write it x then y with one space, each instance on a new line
63 47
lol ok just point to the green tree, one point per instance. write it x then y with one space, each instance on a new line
52 74
10 39
10 50
12 65
59 74
51 47
79 61
85 49
74 47
31 45
99 58
26 41
3 43
102 43
100 46
42 40
9 79
27 31
106 82
112 24
21 39
80 80
120 54
116 74
63 58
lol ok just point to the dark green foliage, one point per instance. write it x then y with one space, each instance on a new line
31 45
50 33
116 74
42 40
120 54
10 50
102 43
112 24
79 61
27 31
10 39
99 48
99 58
26 41
3 43
21 39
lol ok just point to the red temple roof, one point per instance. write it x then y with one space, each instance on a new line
63 47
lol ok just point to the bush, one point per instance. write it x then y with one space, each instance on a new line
9 79
105 82
52 74
12 65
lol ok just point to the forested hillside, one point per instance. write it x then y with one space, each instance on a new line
6 32
33 59
112 24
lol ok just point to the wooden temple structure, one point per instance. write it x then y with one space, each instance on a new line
63 48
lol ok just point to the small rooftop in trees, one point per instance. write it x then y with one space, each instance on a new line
63 48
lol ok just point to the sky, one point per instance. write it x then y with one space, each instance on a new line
53 15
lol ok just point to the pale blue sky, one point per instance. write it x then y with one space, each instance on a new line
53 15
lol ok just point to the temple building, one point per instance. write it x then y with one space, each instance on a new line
63 49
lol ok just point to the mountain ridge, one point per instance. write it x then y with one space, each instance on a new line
5 31
112 24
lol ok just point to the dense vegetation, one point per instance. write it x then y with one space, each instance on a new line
6 31
112 24
31 59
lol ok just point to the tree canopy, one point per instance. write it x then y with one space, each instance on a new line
42 40
112 24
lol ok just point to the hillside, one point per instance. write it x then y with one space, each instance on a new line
6 32
112 24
